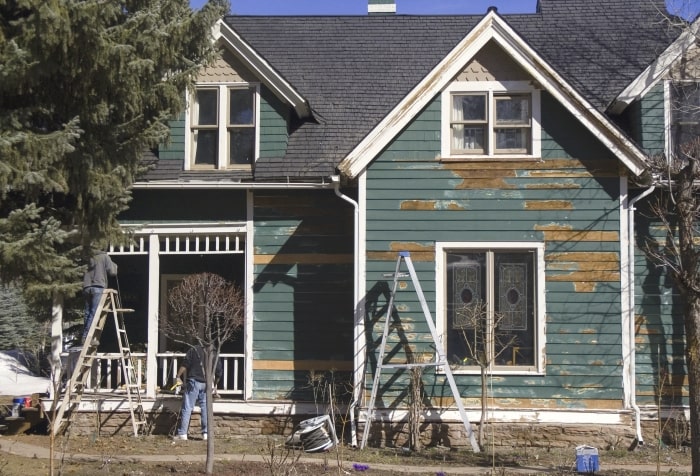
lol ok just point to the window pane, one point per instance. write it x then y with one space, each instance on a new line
241 106
206 146
686 103
241 146
467 138
513 110
514 335
514 139
470 107
206 111
466 296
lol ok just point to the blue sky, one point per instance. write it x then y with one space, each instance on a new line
686 8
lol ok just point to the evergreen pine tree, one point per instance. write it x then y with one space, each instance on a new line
86 87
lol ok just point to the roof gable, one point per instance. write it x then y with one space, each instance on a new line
261 68
658 69
491 28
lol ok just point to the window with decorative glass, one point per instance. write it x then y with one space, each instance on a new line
223 126
491 314
685 114
490 120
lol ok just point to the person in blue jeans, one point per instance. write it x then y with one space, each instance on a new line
195 389
95 280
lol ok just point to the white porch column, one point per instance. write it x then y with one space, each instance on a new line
153 293
56 340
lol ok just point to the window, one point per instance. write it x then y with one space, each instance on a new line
223 126
685 114
490 119
491 308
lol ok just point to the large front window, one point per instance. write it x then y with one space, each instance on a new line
223 126
491 309
490 120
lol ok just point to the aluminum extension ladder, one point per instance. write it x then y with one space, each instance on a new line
440 360
73 393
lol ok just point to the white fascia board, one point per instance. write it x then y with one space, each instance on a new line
492 27
657 70
228 185
267 74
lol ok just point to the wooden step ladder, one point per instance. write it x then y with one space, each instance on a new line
73 393
440 357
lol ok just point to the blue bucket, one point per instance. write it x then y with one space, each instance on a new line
17 403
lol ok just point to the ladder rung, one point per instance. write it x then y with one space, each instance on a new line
124 310
409 366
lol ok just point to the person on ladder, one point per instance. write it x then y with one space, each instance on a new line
95 280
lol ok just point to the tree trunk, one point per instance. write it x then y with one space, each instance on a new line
210 366
484 405
692 350
689 283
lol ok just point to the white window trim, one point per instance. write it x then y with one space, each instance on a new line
441 300
491 88
222 159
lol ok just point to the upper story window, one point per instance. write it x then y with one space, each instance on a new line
223 126
491 306
685 114
482 120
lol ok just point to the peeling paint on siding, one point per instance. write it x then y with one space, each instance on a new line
548 205
553 186
600 276
585 287
418 205
419 252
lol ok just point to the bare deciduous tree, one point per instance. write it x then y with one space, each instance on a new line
484 343
205 310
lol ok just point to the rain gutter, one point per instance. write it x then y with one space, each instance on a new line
359 345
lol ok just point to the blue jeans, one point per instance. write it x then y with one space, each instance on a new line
194 392
92 300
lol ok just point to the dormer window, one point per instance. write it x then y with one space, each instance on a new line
490 120
223 128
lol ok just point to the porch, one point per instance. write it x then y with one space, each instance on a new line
106 375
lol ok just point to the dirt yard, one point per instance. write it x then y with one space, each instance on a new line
25 455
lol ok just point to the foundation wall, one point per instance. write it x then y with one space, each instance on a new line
452 434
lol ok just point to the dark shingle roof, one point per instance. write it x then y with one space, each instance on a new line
354 69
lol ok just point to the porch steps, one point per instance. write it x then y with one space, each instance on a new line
73 392
440 357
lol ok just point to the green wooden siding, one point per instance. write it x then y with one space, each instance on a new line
569 200
274 117
660 339
303 289
652 122
175 148
660 334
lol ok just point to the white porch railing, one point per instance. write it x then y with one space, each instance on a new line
231 382
106 374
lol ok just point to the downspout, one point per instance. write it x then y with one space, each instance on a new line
335 179
630 281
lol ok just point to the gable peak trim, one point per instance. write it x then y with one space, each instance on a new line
261 68
658 69
491 27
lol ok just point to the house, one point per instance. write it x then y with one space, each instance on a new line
501 151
